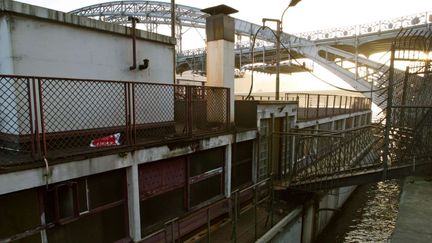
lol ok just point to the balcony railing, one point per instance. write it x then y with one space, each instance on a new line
314 106
59 117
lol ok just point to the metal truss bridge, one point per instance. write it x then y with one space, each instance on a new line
343 51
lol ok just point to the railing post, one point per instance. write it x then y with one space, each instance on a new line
228 108
334 105
32 137
326 108
388 113
189 110
41 106
404 95
318 105
255 188
208 224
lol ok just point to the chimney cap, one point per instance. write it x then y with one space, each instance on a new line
219 9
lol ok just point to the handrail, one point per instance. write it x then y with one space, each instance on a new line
61 117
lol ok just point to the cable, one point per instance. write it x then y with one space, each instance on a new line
253 61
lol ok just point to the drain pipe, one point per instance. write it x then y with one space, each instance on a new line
47 172
134 21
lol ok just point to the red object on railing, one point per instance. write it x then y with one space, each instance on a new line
59 117
111 140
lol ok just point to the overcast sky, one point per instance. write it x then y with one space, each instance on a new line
307 15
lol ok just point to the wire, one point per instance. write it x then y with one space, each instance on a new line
253 61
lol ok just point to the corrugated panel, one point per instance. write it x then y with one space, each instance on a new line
160 177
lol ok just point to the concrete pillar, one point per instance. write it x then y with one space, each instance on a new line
220 51
134 203
228 165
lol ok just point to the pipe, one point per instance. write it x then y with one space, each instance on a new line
134 21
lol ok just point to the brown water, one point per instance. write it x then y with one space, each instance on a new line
368 216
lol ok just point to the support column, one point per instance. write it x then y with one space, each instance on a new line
228 166
220 51
133 203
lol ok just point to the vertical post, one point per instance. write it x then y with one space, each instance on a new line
327 103
318 105
173 35
388 113
255 188
278 32
235 218
229 156
208 224
132 177
42 117
404 94
307 106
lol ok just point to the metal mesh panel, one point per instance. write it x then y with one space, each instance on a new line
15 119
76 112
154 111
56 117
209 109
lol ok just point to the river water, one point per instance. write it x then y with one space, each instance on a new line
368 216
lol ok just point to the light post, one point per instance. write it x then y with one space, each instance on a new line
278 38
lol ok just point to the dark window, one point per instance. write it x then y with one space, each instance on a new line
242 164
105 226
106 188
19 212
158 209
206 161
205 190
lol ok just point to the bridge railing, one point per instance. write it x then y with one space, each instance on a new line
352 151
58 117
418 19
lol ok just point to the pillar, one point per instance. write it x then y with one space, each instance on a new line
133 203
220 52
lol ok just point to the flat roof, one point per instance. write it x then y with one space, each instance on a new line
19 8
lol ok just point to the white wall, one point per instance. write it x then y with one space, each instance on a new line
43 48
52 48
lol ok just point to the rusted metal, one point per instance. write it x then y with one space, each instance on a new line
32 137
44 144
63 115
134 62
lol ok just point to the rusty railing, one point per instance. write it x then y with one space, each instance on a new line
59 117
313 106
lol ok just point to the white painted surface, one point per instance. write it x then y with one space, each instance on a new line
228 163
6 64
43 48
220 67
134 202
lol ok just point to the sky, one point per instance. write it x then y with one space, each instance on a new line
307 15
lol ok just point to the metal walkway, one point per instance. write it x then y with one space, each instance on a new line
399 145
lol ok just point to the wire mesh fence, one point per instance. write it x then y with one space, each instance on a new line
57 117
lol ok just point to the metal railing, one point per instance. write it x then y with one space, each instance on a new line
253 199
369 28
313 106
59 117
